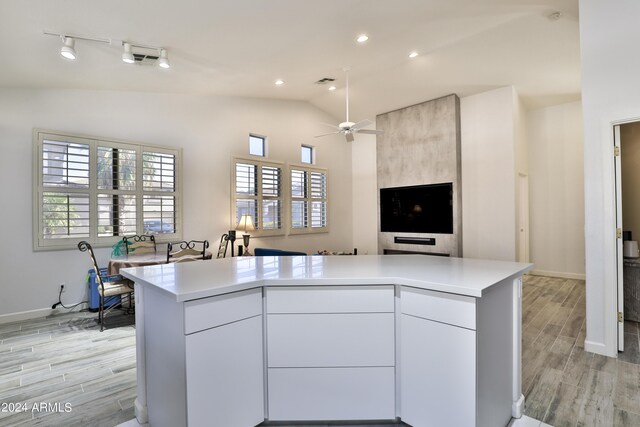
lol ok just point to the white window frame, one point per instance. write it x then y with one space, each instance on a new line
309 229
264 145
260 198
42 244
312 154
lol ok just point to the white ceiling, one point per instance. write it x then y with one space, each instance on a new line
240 47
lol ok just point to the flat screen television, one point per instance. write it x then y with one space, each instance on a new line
417 209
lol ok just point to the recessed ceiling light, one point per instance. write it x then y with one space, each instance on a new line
332 88
413 54
362 38
279 82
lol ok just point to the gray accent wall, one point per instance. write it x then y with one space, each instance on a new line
421 145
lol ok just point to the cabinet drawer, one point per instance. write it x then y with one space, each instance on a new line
453 309
331 299
331 340
215 311
331 394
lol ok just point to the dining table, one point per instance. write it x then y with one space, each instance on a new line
135 260
140 260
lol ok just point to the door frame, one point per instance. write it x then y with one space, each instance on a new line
617 166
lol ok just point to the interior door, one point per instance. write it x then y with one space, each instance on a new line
619 253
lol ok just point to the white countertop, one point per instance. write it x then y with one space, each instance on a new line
201 279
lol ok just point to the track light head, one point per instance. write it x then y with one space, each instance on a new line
68 50
163 61
127 56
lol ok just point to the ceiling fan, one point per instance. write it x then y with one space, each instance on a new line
347 128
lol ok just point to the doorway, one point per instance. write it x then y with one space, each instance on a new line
627 196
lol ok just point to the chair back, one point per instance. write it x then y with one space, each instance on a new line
86 247
187 251
222 248
141 244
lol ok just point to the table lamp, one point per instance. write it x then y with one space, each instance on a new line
245 224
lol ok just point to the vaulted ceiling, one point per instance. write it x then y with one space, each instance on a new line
240 47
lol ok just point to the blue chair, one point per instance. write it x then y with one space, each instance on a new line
275 252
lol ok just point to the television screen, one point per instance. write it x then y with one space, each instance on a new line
417 209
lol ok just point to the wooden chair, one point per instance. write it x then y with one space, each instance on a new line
193 250
222 247
141 244
108 285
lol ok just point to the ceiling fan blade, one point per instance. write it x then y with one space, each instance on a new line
327 134
349 136
332 126
362 124
371 131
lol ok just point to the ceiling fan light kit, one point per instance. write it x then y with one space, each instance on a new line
349 128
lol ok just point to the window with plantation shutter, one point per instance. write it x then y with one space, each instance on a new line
308 200
99 190
257 191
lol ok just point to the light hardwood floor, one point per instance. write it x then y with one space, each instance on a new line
563 384
66 359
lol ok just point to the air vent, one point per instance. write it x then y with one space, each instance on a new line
325 80
144 59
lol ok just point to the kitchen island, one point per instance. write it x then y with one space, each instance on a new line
237 341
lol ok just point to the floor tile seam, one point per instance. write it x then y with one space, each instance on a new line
546 412
583 320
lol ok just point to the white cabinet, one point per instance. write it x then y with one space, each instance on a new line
456 358
225 375
326 340
331 393
331 353
224 360
438 374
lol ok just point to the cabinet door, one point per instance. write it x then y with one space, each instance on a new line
225 375
438 374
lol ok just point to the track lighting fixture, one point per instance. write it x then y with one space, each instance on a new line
163 61
127 56
68 50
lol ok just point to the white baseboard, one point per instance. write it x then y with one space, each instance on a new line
34 314
26 315
597 347
562 275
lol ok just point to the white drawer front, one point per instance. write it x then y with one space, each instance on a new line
331 394
215 311
331 340
453 309
331 299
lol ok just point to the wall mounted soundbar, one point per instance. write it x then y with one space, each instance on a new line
415 240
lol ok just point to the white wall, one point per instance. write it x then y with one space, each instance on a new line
609 33
210 129
556 185
365 197
488 175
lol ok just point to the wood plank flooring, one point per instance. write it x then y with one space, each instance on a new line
565 386
65 359
81 376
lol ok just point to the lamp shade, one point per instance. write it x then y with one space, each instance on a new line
245 224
